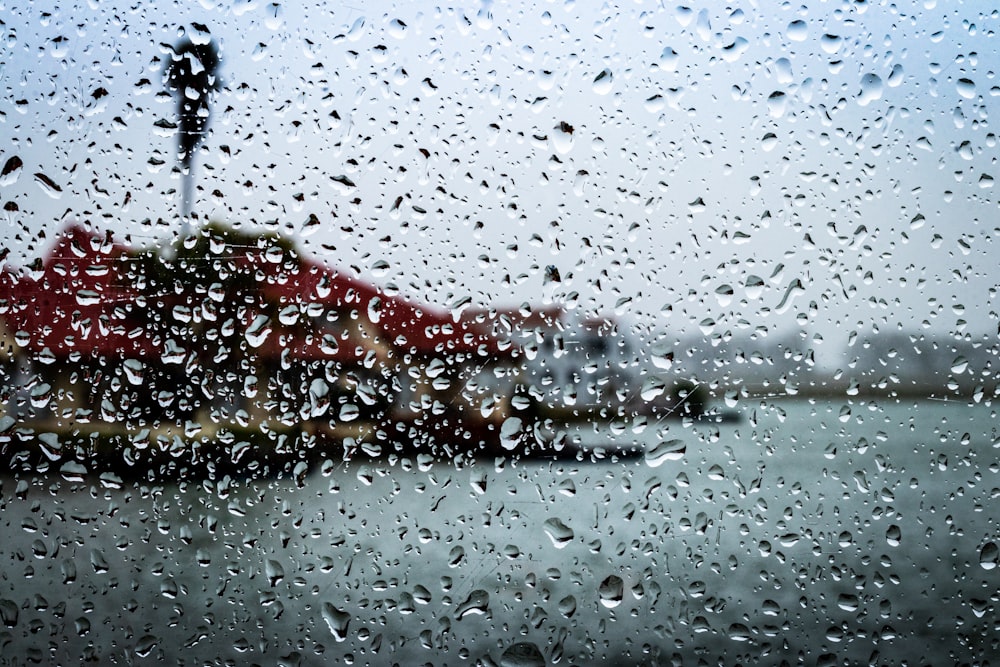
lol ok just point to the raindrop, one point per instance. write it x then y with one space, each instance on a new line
510 433
895 76
989 556
871 89
655 103
274 18
48 186
754 286
477 603
258 330
397 29
776 102
145 645
82 626
669 450
310 226
724 294
567 606
959 365
789 539
603 82
8 612
133 371
274 572
562 137
11 171
456 556
893 535
831 43
794 289
337 620
611 591
797 31
522 654
740 632
848 602
668 60
966 88
558 532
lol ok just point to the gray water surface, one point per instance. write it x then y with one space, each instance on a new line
809 533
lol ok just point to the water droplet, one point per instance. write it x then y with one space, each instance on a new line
848 602
724 294
11 171
145 645
895 76
611 591
48 186
989 556
133 371
274 19
258 330
669 450
567 606
893 535
789 539
793 290
831 43
274 572
668 60
8 613
655 103
740 633
510 433
477 603
337 620
797 31
871 89
558 532
522 654
82 625
562 137
776 102
397 29
966 88
603 82
959 365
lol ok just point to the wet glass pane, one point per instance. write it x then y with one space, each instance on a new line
506 334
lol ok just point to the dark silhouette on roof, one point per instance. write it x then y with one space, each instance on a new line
191 76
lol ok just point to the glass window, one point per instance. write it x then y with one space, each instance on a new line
505 334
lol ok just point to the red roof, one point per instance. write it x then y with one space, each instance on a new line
420 328
79 300
83 299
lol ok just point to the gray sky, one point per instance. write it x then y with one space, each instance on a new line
741 167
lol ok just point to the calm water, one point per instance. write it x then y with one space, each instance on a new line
805 533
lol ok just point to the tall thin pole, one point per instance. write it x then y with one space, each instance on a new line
191 76
187 197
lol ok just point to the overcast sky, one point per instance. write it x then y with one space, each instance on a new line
827 167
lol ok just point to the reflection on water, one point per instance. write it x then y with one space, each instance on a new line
804 533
